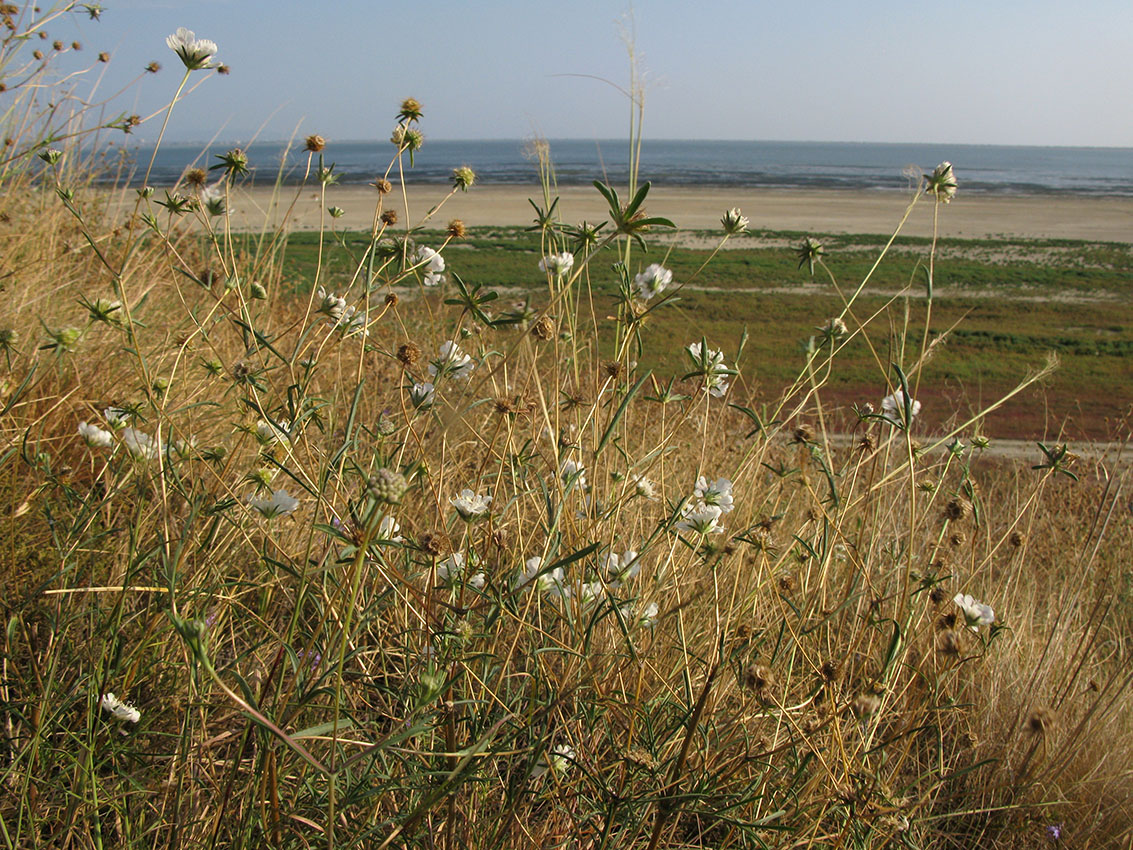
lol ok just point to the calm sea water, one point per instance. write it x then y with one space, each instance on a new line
822 165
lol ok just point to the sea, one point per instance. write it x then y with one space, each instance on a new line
996 169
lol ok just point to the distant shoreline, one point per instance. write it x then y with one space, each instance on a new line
971 216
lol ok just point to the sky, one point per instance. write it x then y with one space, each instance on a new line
1014 72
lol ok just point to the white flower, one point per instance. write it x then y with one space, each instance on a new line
701 518
557 264
573 471
271 432
194 52
734 221
893 408
834 327
279 504
331 305
709 364
352 321
433 261
433 279
422 395
648 616
477 581
470 505
718 492
451 567
549 582
116 417
642 486
141 445
561 757
452 362
941 183
119 710
653 280
388 529
622 567
976 613
95 436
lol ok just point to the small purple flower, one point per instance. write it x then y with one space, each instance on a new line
1054 831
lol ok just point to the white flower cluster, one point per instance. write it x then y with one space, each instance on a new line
710 501
194 52
893 408
709 364
653 281
139 444
558 265
434 264
451 362
119 710
975 613
281 503
470 505
451 569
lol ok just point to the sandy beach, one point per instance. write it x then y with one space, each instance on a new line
968 216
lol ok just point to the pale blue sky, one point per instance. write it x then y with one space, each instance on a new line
1043 72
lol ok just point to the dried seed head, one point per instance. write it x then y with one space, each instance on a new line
937 595
75 45
391 299
759 679
1017 539
58 45
196 177
612 369
408 353
104 57
543 328
865 705
410 110
1041 721
315 143
804 433
153 67
957 509
431 544
37 54
223 69
787 584
829 671
957 539
383 186
456 229
389 217
950 642
866 443
948 621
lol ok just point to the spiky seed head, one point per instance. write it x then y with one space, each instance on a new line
803 433
463 177
389 217
104 57
315 143
1041 721
431 544
456 229
408 353
543 328
1017 539
153 67
957 509
391 299
383 186
411 110
198 178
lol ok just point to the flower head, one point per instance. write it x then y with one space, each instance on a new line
642 486
701 518
718 492
141 445
273 432
470 505
331 305
894 408
941 183
422 396
734 222
119 710
433 261
709 364
194 52
558 265
280 504
809 252
549 582
116 417
653 280
95 436
451 362
463 177
573 472
620 568
976 613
